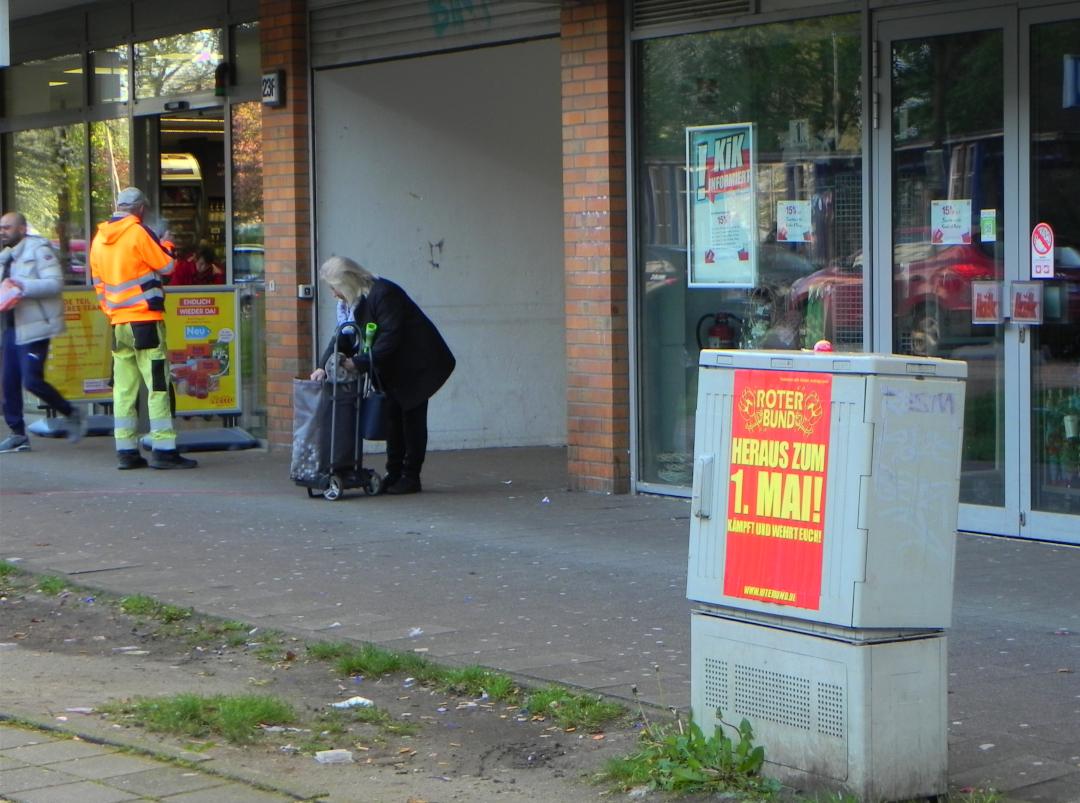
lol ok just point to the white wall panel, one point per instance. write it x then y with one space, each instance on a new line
462 149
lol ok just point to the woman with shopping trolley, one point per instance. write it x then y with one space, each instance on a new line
411 362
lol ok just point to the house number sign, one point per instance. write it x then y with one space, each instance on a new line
273 88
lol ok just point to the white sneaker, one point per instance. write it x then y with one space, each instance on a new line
15 443
74 426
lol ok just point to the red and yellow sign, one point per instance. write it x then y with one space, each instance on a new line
200 333
776 488
80 360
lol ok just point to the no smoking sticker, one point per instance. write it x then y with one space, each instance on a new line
1042 251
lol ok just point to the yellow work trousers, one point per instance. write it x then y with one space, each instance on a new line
139 355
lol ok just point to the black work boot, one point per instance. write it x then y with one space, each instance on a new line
127 459
170 458
405 485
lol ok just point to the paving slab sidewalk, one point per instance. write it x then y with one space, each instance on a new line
37 766
496 563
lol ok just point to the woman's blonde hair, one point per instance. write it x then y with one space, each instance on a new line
347 277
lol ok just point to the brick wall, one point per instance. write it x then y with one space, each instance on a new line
287 212
594 208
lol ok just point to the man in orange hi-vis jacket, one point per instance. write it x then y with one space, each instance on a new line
127 262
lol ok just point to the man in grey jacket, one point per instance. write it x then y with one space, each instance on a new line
31 266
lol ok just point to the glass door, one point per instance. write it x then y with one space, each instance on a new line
978 141
1050 133
947 184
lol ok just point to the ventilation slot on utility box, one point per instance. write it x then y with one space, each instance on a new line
774 696
716 685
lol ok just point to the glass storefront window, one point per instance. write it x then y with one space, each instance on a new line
177 65
246 54
110 165
110 70
247 188
1055 362
948 165
797 84
45 183
47 85
248 270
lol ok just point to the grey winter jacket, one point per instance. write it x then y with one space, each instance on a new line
40 313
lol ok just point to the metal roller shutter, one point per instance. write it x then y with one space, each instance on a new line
372 30
653 13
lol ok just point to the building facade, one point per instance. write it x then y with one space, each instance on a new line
583 195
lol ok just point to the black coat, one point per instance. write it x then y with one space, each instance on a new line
411 359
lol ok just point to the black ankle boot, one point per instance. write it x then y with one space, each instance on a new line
405 485
170 458
127 459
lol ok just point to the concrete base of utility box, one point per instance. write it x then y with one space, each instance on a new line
864 718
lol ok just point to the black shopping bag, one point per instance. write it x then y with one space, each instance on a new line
373 411
325 433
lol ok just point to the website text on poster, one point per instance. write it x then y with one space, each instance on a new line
776 487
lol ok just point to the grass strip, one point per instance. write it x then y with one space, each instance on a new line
235 718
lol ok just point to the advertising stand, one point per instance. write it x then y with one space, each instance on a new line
822 547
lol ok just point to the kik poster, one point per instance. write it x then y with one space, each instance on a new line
776 487
721 210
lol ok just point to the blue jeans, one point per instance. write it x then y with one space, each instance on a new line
24 367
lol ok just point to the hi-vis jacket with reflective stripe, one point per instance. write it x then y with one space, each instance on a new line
127 263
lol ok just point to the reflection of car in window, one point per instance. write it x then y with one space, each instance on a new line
760 314
931 293
247 262
73 260
1061 304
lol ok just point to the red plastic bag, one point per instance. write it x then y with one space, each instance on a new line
10 295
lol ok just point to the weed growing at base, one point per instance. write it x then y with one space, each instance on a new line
235 718
677 758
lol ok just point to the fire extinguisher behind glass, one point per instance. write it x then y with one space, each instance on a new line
722 333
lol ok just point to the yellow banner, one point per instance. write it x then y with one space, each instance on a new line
80 360
200 334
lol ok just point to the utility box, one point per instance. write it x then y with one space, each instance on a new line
822 549
826 487
867 717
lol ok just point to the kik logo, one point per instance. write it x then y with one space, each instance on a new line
725 160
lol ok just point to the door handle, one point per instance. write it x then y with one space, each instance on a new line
701 501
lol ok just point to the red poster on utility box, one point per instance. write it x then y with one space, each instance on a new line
776 487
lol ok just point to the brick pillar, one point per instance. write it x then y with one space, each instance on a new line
594 212
287 211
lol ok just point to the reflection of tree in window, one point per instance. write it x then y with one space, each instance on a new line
110 165
49 167
947 88
247 172
766 74
177 65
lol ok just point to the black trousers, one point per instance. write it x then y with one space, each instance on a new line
406 439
